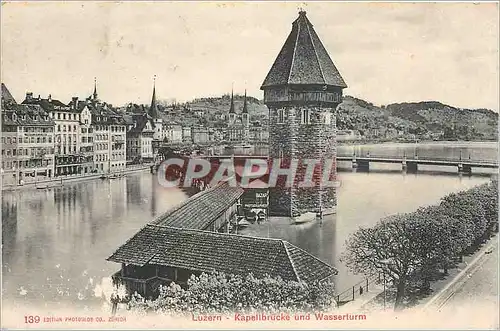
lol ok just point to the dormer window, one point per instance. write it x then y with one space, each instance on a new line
14 116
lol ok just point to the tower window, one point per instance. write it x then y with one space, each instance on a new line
327 118
305 116
281 116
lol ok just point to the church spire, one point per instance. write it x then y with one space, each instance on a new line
231 109
94 95
245 107
153 110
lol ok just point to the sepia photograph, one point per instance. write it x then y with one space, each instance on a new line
249 165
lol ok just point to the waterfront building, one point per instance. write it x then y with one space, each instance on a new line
68 160
27 142
140 138
238 129
118 142
9 170
158 255
302 90
86 135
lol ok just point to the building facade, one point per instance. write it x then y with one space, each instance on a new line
140 139
302 90
200 135
66 133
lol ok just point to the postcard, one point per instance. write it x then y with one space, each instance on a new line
249 165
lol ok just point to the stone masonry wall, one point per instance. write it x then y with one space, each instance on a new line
315 140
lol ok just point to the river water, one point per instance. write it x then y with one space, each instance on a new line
55 241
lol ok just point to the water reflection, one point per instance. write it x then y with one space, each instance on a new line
57 240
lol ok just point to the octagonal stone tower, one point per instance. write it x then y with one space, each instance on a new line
302 91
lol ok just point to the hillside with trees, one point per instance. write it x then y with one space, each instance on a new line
426 120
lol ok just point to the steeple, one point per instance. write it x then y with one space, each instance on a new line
303 60
94 95
245 107
153 110
231 109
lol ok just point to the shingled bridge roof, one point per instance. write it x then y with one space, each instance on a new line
202 209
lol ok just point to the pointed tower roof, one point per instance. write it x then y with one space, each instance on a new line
94 95
245 107
303 59
153 110
231 109
7 96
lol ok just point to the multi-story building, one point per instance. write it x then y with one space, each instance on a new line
302 91
66 133
200 135
173 133
101 127
27 142
118 143
238 124
9 170
187 135
258 133
86 135
140 139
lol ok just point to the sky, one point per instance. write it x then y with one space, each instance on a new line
386 52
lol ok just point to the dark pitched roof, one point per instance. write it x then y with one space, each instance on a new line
50 104
206 251
153 109
27 115
7 96
140 121
303 59
231 108
202 209
245 106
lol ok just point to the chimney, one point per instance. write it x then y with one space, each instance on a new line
75 102
29 95
39 97
49 98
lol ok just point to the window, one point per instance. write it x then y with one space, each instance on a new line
58 116
281 116
327 118
20 140
64 116
305 116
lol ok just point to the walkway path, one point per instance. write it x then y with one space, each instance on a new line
485 285
57 181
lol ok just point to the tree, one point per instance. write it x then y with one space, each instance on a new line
469 216
414 246
388 248
223 293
